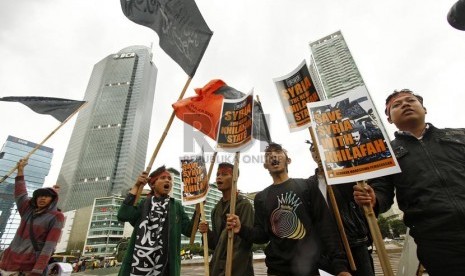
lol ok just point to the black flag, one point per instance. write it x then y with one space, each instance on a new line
60 109
184 34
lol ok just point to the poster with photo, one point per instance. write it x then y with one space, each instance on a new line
295 90
235 127
350 138
193 173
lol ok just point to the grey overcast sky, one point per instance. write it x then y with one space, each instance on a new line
49 48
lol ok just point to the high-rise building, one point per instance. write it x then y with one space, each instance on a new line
108 146
332 66
105 231
34 174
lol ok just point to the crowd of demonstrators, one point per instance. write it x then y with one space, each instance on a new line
38 232
158 220
293 217
218 236
430 190
353 220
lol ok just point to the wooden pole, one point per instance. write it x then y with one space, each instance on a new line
162 139
195 224
377 237
43 141
197 207
232 210
337 214
205 243
340 226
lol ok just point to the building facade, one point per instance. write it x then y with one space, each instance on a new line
104 230
332 66
34 173
108 146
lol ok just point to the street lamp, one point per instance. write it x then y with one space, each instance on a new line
456 15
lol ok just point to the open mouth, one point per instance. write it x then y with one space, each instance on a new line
166 186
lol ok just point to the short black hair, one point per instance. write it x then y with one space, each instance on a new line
158 171
228 165
274 147
397 92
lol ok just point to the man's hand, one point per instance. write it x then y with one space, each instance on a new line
142 179
344 274
21 164
234 223
365 195
203 227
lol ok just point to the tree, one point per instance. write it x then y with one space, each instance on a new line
398 227
383 226
391 226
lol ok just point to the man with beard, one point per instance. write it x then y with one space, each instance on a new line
430 190
292 216
159 221
218 236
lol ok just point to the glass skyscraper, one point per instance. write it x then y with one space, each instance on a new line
332 66
34 174
108 146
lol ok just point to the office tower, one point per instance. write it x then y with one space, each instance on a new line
108 146
332 66
34 174
105 231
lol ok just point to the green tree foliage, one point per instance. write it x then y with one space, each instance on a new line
391 227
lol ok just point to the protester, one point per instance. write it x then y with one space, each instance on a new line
158 220
430 190
293 217
353 220
218 237
38 232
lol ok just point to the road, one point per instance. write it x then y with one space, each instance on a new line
195 267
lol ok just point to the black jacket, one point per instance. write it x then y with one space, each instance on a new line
431 187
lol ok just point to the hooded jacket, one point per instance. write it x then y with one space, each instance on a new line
46 225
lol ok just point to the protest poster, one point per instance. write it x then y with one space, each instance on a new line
235 127
295 90
351 139
194 188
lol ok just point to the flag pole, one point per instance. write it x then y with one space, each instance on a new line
43 141
203 217
336 212
160 142
376 235
232 210
205 243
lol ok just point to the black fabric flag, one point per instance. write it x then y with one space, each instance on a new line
184 34
59 108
